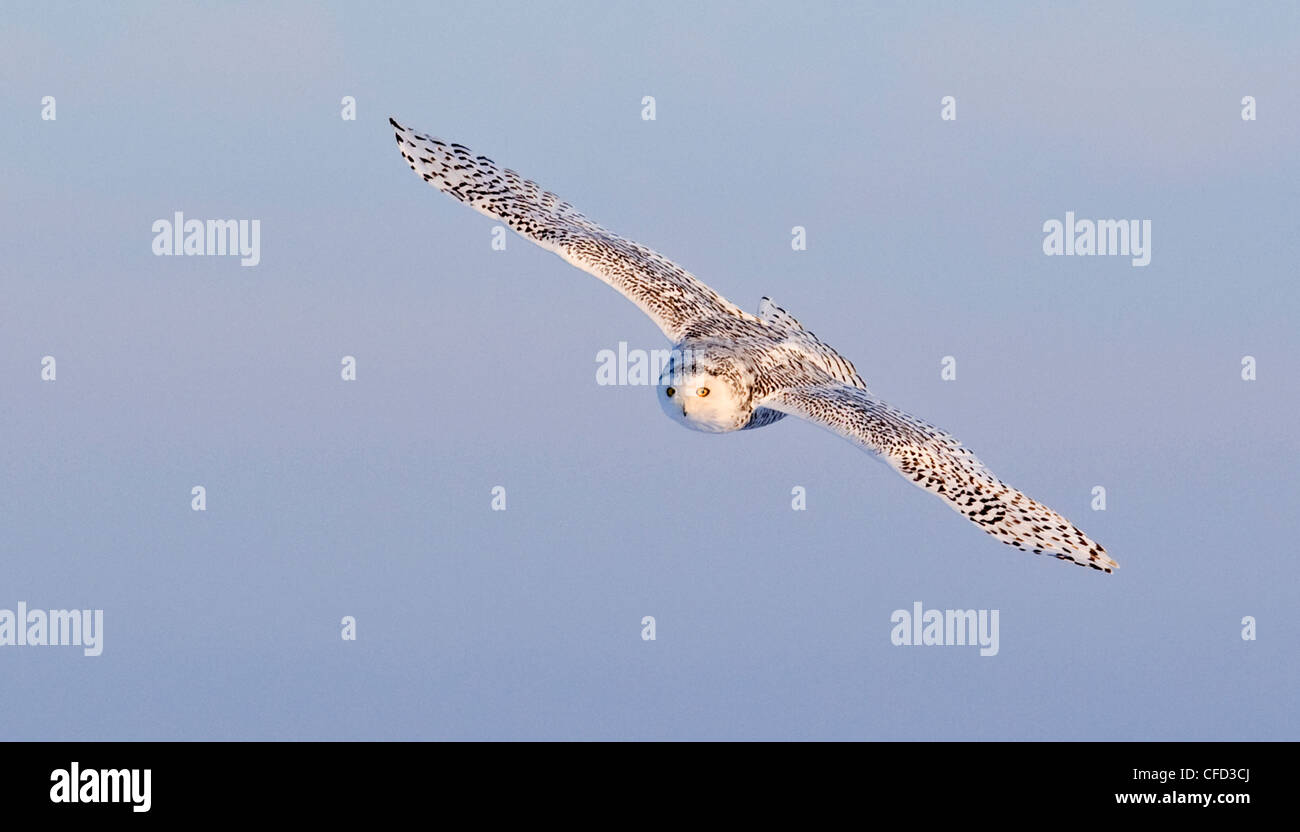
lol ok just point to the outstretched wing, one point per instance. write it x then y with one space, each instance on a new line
672 297
821 353
938 463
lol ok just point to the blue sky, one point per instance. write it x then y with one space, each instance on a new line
476 368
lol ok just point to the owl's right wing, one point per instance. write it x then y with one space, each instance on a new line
937 462
672 297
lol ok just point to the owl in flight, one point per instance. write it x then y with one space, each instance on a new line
730 370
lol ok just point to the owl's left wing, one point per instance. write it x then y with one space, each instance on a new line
937 462
672 297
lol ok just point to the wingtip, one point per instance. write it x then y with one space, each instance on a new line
1108 563
393 122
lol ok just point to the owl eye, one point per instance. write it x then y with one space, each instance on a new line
702 392
670 391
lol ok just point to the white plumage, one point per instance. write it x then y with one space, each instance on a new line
735 371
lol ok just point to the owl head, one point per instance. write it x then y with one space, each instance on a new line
704 390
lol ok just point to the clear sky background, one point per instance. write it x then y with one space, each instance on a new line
476 368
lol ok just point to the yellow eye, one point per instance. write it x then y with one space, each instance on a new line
702 392
670 391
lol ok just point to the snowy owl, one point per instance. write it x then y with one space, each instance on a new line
731 370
